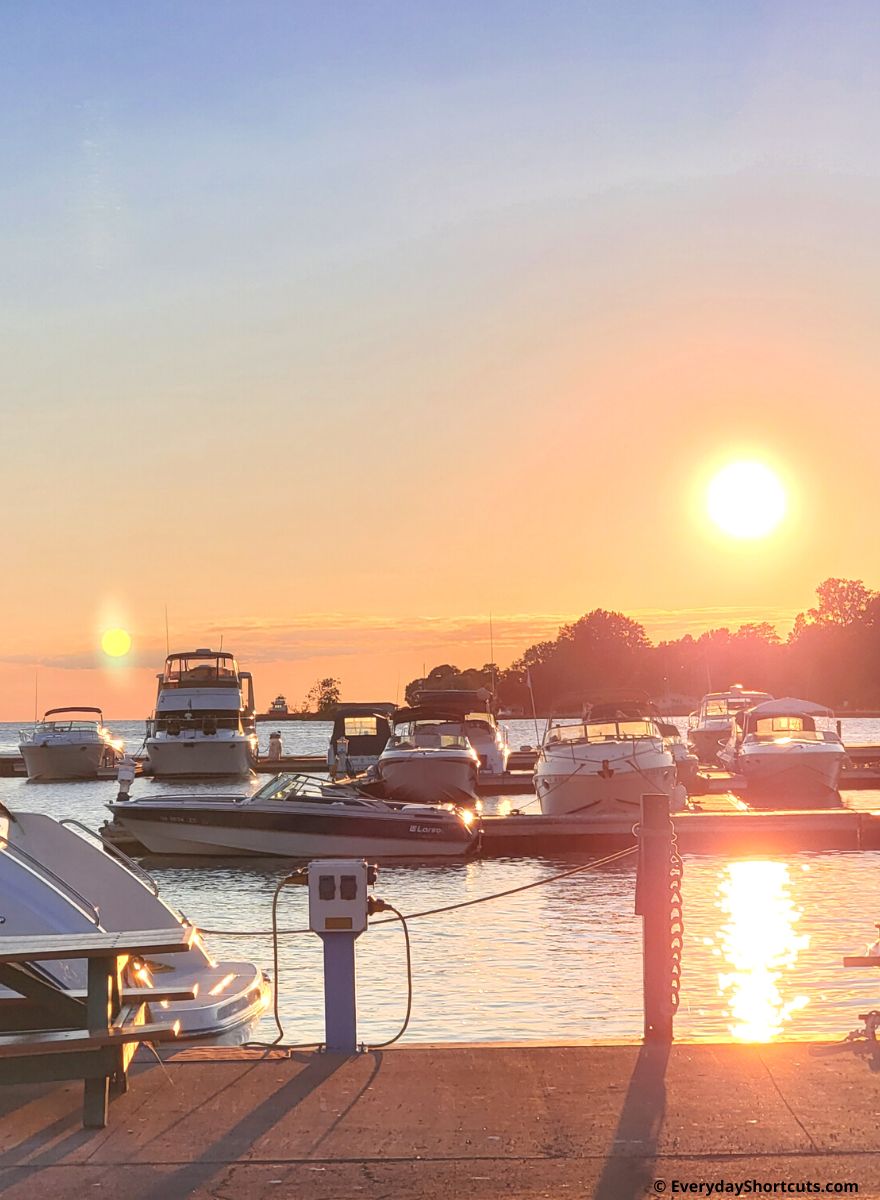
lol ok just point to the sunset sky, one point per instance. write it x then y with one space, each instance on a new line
336 326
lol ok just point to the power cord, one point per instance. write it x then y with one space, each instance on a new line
376 905
279 1042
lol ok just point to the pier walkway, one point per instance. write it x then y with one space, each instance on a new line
477 1122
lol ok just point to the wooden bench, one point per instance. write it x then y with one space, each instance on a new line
90 1035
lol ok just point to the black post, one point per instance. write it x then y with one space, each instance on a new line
654 905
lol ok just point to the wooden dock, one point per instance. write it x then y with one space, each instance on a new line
498 1122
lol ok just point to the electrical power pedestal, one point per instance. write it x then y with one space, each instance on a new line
338 914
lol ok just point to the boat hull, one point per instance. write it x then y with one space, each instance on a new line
585 791
176 757
429 777
76 761
219 830
791 777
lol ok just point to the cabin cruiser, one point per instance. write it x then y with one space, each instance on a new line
360 734
56 877
428 758
203 723
603 765
788 752
296 816
710 727
474 709
68 746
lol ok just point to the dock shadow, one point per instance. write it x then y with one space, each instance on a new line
629 1165
235 1143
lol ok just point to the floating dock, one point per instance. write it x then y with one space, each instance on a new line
723 829
497 1121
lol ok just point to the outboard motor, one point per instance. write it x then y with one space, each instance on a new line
125 777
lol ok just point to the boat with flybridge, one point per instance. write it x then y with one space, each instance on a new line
203 724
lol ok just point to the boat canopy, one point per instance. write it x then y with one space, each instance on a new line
789 707
367 727
427 712
200 668
75 708
457 700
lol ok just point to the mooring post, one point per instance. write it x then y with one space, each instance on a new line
654 905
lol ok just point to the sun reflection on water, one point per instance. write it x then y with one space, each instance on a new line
759 941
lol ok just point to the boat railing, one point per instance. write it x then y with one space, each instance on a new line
16 852
89 731
136 869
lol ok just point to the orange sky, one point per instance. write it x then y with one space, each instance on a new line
335 341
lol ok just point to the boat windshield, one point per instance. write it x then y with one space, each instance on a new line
603 731
284 787
788 729
68 727
182 670
429 737
725 706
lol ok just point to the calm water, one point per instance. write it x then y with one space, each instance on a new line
764 937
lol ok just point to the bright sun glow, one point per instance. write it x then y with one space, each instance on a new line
760 945
746 500
116 642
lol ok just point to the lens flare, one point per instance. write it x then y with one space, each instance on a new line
746 500
116 643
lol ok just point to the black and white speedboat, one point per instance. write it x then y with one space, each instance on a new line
295 816
55 877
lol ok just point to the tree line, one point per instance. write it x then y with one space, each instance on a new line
831 656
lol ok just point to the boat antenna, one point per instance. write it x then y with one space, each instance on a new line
492 657
534 712
221 641
167 639
36 687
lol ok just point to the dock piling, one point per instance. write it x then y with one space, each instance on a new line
654 905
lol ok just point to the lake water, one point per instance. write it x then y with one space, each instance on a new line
764 937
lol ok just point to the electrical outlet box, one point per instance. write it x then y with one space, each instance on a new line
338 895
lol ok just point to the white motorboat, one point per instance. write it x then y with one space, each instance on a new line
710 727
295 816
66 746
603 767
360 734
204 720
788 752
56 877
479 725
428 758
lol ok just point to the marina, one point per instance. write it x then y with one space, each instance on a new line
811 869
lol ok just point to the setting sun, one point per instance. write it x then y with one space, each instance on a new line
116 643
746 500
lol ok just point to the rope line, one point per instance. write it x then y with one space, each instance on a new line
431 912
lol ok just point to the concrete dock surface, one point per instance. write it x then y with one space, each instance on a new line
481 1122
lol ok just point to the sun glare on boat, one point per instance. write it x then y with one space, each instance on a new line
746 500
116 643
